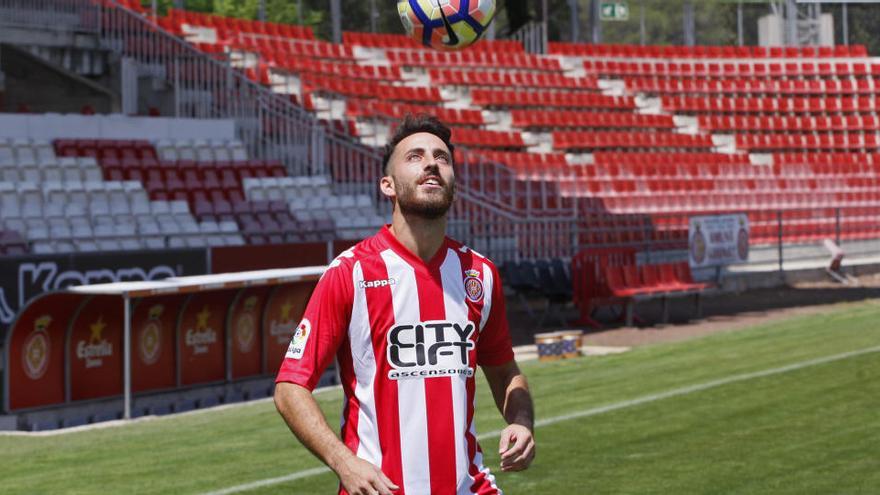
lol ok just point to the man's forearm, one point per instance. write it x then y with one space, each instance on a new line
305 419
518 408
511 393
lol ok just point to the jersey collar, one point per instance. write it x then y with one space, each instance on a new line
395 245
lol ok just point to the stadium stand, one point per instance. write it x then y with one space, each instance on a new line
82 195
697 109
605 147
724 121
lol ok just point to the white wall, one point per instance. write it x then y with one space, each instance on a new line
117 126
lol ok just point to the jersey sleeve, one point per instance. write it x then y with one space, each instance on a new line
322 329
494 347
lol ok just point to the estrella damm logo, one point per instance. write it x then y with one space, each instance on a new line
96 348
202 337
430 349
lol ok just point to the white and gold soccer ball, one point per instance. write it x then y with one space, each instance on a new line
446 24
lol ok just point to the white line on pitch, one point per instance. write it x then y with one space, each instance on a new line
589 412
142 419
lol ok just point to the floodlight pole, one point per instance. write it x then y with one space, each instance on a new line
336 20
596 19
575 26
690 35
739 23
791 23
126 356
643 32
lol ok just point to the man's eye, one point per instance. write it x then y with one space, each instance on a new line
413 157
443 158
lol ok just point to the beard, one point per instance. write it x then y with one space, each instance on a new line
430 206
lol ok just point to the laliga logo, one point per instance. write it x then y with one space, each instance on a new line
298 343
282 330
202 336
430 349
151 336
97 347
35 352
245 329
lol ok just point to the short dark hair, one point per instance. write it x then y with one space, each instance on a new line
413 124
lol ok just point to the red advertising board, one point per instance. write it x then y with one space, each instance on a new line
153 323
245 341
35 357
94 349
284 309
201 337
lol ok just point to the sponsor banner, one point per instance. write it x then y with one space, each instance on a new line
35 352
718 240
94 349
244 258
282 317
244 338
153 323
430 349
24 277
201 337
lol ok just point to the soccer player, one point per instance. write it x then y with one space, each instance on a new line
408 314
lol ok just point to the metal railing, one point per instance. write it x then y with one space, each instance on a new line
511 236
69 15
778 237
270 125
533 36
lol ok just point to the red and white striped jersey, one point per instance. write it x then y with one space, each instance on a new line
407 335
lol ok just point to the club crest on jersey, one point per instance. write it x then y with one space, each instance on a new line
298 343
473 286
430 349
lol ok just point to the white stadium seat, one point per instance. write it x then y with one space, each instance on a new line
154 243
160 207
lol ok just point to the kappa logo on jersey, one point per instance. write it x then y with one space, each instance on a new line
430 349
368 284
298 342
473 286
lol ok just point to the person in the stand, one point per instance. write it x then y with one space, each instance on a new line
409 314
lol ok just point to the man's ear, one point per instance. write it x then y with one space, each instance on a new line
386 186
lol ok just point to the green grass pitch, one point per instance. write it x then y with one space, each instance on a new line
809 430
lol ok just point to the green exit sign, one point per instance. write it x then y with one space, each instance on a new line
616 10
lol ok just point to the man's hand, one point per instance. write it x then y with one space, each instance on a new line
517 448
360 477
304 417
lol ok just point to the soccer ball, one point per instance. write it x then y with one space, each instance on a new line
446 24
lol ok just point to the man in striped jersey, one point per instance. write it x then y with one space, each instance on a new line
408 314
